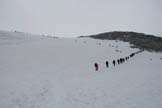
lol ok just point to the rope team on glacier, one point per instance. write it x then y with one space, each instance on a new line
118 61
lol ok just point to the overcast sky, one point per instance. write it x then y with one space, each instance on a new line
81 17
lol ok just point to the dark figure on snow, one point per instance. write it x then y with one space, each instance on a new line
114 62
132 54
96 66
107 64
123 59
126 58
118 61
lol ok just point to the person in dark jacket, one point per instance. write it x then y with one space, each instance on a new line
96 66
114 62
118 61
107 64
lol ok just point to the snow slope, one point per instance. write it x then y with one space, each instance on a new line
41 72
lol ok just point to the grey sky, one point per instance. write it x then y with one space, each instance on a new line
81 17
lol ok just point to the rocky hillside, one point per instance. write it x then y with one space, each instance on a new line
137 40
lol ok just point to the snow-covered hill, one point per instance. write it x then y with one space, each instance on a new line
42 72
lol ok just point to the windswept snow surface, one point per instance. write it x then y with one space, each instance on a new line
41 72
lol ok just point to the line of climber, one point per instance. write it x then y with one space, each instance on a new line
118 61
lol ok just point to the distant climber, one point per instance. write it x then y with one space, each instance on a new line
118 61
107 64
131 55
121 61
96 66
114 62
